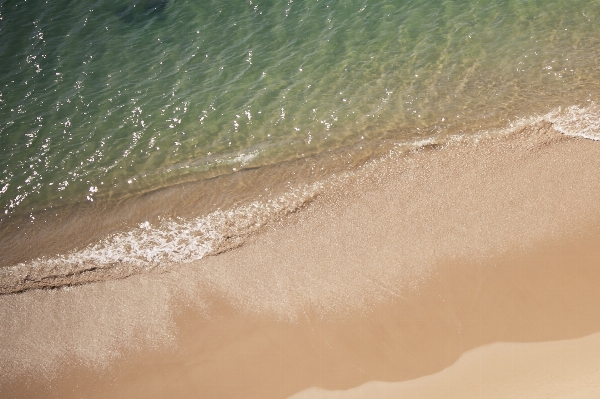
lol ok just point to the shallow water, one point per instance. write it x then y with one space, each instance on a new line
106 99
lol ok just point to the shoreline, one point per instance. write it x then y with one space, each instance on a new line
91 242
390 277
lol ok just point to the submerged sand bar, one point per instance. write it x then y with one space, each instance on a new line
391 275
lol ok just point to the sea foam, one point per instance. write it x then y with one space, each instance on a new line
149 247
577 121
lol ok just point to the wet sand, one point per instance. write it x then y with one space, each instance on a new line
392 277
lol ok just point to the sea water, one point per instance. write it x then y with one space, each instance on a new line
135 129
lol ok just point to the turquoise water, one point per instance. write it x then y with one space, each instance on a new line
105 99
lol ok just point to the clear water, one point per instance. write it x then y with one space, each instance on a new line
109 98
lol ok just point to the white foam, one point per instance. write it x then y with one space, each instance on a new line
577 121
244 159
146 247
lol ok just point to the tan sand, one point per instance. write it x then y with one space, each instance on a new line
547 294
549 370
434 257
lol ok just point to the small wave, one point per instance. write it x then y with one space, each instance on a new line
149 247
577 121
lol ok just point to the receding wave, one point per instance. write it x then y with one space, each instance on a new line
152 247
577 121
149 247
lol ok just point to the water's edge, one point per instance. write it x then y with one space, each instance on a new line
156 239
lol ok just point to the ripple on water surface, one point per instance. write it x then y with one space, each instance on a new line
106 99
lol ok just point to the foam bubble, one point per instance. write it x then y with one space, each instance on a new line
577 121
244 159
148 247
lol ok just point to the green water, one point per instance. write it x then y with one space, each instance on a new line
107 98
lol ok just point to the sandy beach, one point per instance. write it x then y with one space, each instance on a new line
464 270
299 200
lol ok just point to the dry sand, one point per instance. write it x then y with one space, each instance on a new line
487 251
549 370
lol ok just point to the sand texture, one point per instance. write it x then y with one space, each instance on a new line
466 270
550 370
